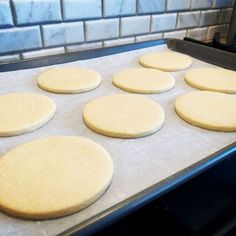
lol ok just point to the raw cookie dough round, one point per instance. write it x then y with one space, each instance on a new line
166 61
23 112
142 80
123 116
69 80
212 79
53 177
208 110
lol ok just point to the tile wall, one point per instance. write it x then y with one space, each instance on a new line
37 28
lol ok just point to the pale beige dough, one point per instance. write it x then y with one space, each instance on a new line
69 80
24 112
123 116
166 61
212 79
53 177
208 110
142 80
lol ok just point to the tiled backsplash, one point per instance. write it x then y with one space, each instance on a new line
35 28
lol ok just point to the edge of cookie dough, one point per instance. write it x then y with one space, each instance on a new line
201 125
204 88
124 88
121 135
166 69
75 91
55 214
62 212
35 127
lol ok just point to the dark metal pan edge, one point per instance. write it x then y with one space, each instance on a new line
123 208
205 53
75 56
142 198
211 55
208 54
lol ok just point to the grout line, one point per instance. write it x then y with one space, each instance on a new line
102 8
21 56
191 5
200 17
150 24
62 10
189 8
177 18
42 35
13 12
165 6
120 27
212 4
85 32
137 9
187 31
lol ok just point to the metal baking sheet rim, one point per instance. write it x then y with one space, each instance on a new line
128 205
142 198
208 54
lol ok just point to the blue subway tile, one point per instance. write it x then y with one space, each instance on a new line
18 39
60 34
5 14
9 58
135 25
119 7
102 29
210 17
180 34
151 6
32 12
188 20
163 22
81 9
201 4
174 5
222 3
43 53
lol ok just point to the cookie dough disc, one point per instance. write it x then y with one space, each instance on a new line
141 80
208 110
53 177
24 112
69 80
166 61
212 79
123 116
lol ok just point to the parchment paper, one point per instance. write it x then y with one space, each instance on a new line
138 163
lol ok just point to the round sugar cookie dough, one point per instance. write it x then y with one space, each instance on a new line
166 61
208 110
69 80
212 79
24 112
123 116
142 80
53 177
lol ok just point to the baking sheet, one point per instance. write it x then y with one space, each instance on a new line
138 163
